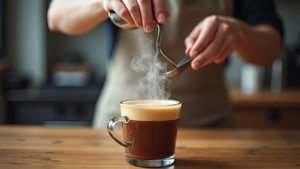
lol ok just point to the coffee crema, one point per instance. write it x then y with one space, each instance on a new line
151 110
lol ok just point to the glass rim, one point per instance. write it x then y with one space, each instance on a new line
130 105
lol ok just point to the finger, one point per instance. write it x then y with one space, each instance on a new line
134 10
207 34
160 11
122 11
224 31
212 50
191 39
189 47
206 57
189 42
227 52
147 17
227 43
215 45
203 58
168 15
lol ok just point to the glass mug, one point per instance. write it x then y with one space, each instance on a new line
149 130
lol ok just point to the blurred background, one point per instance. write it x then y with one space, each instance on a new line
54 80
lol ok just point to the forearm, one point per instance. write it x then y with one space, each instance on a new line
75 17
258 44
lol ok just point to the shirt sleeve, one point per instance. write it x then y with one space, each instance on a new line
49 2
255 12
112 34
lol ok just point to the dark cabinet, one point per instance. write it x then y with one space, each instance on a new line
52 106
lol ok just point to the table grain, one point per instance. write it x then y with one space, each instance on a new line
36 147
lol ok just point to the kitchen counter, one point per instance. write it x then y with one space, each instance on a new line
265 98
265 109
32 147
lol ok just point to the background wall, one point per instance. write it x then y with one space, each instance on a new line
26 33
25 40
32 49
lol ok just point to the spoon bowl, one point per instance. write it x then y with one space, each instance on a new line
180 67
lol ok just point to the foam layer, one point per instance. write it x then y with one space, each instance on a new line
151 110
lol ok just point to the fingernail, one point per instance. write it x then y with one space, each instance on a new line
161 18
197 65
148 28
195 53
189 45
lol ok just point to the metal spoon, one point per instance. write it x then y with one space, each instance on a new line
158 44
180 67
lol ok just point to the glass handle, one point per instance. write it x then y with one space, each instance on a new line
110 127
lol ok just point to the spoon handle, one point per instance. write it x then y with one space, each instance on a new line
184 61
158 45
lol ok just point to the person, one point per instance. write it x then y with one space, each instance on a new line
207 30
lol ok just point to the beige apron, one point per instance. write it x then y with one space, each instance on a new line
202 92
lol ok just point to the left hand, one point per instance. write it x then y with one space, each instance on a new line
212 40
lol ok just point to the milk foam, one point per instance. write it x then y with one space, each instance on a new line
151 110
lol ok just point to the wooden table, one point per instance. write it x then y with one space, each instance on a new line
32 147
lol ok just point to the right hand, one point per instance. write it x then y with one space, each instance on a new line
138 12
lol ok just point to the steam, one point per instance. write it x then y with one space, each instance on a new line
153 85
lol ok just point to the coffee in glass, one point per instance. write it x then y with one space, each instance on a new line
149 130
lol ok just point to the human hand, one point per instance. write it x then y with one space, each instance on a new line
212 40
138 12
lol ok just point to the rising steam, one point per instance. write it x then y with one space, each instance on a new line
152 86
